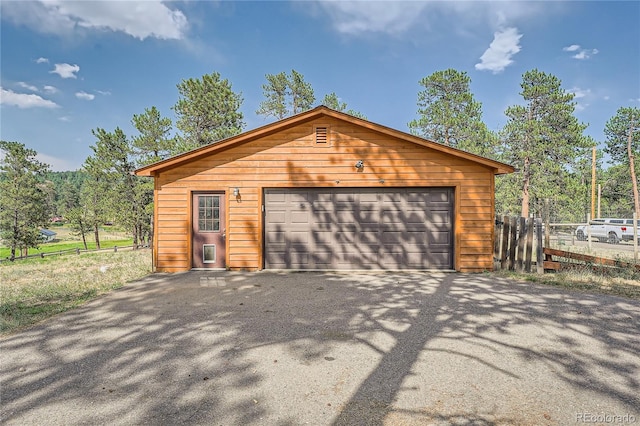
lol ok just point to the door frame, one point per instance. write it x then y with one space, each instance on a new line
192 194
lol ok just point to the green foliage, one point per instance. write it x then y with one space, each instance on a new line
275 93
78 218
23 196
208 110
73 178
286 95
623 144
153 142
617 192
332 101
113 192
617 133
66 187
302 97
449 114
542 139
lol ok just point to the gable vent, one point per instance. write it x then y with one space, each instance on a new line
321 134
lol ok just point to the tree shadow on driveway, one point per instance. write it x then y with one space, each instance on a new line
292 348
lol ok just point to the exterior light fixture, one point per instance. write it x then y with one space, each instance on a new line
359 164
236 192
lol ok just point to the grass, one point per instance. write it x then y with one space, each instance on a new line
66 240
624 282
35 289
54 247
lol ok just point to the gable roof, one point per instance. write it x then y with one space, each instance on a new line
312 114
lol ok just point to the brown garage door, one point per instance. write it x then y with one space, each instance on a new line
359 228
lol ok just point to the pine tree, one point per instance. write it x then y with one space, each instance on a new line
302 97
153 142
623 144
542 139
126 195
286 95
332 101
275 92
208 110
23 197
449 114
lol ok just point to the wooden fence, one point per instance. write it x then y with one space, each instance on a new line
589 260
514 244
72 251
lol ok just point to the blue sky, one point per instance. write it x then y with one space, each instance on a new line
70 67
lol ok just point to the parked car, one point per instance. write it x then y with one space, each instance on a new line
611 230
627 230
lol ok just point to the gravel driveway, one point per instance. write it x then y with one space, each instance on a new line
328 349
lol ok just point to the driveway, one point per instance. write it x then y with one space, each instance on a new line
328 349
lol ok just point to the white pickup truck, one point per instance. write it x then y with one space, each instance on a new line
610 230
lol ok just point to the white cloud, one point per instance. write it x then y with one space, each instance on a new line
27 86
104 93
50 89
571 48
65 118
24 100
579 93
85 96
42 61
582 53
396 17
582 94
352 17
585 54
139 19
65 70
498 56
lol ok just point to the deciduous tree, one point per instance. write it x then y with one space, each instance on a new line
23 198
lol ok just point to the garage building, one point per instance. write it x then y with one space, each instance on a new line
324 190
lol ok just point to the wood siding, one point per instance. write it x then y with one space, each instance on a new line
292 158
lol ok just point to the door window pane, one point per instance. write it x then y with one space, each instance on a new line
209 213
